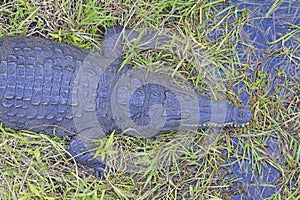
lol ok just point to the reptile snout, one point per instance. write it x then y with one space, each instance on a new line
241 116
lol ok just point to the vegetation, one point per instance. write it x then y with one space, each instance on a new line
176 165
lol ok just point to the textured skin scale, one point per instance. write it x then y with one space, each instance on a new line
45 84
36 78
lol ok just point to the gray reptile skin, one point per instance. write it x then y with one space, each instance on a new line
46 85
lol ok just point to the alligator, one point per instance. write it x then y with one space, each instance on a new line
59 89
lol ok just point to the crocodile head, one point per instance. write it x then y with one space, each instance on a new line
148 104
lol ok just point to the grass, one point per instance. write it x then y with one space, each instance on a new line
176 165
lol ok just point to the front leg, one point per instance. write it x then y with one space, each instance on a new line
80 149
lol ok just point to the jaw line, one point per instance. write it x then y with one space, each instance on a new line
219 125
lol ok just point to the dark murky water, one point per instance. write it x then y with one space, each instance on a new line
277 61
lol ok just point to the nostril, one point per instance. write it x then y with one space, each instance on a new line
241 114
